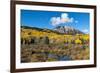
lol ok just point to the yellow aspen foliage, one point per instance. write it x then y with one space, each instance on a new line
78 41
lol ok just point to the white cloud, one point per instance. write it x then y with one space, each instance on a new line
76 21
55 21
85 30
64 15
64 18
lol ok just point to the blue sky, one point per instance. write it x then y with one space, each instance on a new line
51 19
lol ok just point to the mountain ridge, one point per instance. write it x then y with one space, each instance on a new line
59 30
68 30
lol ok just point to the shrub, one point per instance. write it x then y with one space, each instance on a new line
44 40
33 40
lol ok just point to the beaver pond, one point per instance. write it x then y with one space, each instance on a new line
53 52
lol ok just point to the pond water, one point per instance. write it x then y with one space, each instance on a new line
59 58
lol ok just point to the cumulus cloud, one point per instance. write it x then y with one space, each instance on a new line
64 18
55 21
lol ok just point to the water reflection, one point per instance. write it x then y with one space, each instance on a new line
59 57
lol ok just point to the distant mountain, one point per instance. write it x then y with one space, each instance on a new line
41 29
68 30
29 27
58 30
